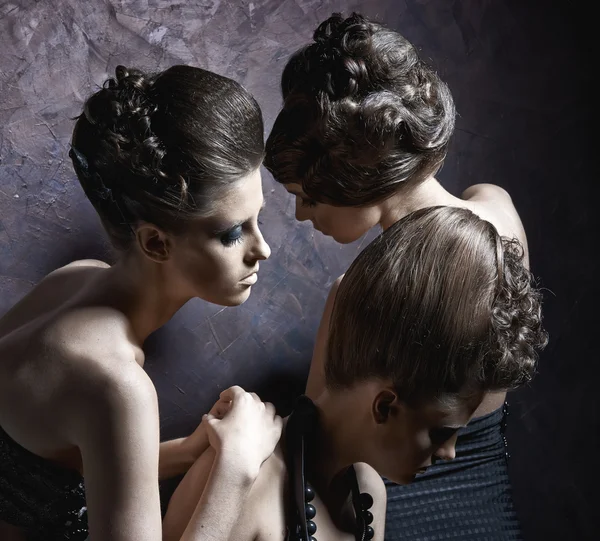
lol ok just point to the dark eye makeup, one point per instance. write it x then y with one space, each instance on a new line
440 435
232 235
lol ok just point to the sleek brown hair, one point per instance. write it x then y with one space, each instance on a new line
439 304
159 147
363 115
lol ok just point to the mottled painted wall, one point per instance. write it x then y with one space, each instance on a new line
518 74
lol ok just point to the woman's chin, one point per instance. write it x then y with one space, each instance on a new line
343 237
233 299
243 296
402 479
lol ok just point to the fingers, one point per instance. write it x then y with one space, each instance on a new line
278 422
210 418
270 408
221 407
233 399
233 392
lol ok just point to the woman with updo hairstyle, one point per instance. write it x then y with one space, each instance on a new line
170 162
364 128
436 312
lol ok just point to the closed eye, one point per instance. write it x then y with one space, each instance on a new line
439 436
232 236
306 202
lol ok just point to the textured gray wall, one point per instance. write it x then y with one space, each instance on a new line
519 79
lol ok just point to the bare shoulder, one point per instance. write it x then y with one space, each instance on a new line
86 263
332 295
264 515
336 284
486 192
74 267
115 379
370 481
95 357
90 332
494 204
316 375
108 386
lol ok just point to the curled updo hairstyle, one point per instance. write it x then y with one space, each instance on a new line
439 304
160 148
363 115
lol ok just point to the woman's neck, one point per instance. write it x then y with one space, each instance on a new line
429 193
332 450
142 292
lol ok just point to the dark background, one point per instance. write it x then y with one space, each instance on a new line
521 73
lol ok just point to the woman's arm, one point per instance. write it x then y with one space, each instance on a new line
316 375
176 457
226 490
116 428
114 422
243 432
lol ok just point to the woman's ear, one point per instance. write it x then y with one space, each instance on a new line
386 404
154 243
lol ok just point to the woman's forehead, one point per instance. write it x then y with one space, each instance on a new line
240 201
454 413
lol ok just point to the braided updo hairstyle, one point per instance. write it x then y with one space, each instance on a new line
363 115
160 148
439 304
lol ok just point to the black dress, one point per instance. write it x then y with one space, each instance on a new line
468 498
47 501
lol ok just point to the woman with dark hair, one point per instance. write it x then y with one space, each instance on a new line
365 126
171 164
433 314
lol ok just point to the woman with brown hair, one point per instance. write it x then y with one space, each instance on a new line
435 313
170 162
364 128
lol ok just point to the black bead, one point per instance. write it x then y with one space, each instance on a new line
366 500
311 527
368 516
309 493
310 511
369 533
313 538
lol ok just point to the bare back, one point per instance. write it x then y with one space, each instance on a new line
67 367
489 202
46 340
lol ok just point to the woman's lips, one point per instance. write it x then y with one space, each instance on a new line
251 279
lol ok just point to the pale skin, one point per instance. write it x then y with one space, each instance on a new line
73 389
396 446
353 430
347 224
